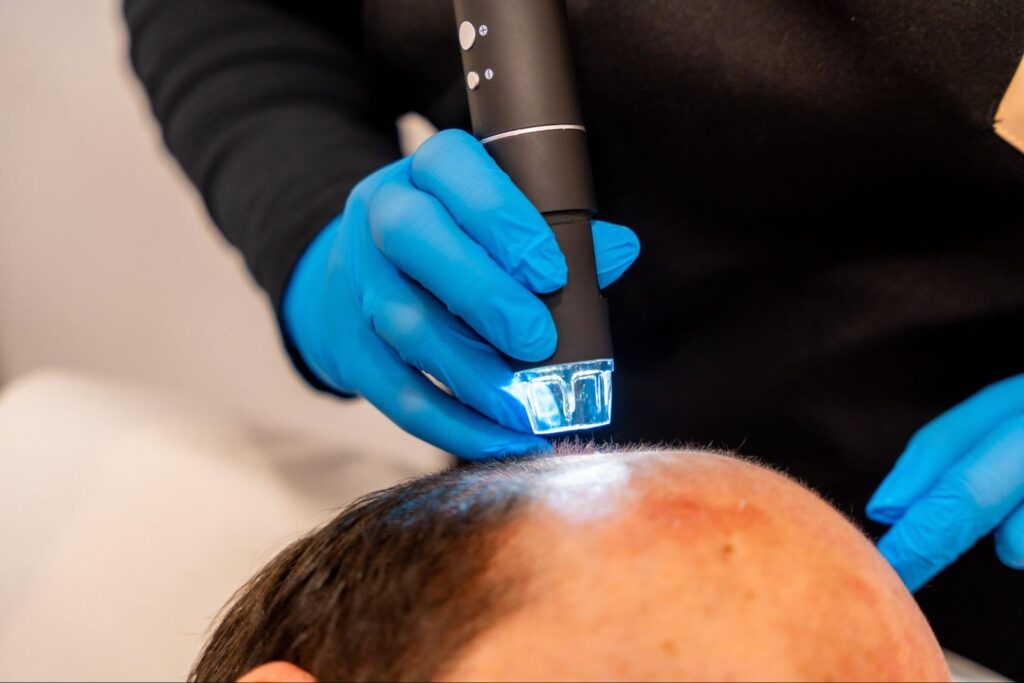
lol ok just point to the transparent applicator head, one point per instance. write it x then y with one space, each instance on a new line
567 397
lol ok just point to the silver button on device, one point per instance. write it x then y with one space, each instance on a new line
473 80
467 35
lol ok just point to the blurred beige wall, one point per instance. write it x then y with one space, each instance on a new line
108 262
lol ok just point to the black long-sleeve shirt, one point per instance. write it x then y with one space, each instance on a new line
833 235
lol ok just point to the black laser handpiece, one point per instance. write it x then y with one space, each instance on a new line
525 109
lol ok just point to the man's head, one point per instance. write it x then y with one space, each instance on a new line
636 565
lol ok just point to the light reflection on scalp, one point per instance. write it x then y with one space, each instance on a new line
586 489
592 485
581 483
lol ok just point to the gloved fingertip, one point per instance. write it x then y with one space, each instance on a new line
1010 550
891 496
547 287
606 278
616 248
547 274
885 512
618 239
1010 557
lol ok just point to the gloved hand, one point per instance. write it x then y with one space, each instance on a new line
433 265
961 476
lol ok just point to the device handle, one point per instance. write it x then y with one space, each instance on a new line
525 109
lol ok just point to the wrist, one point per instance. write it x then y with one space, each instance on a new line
302 305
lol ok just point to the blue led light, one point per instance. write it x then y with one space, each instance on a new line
567 397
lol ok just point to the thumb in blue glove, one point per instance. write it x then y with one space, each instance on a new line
434 267
960 478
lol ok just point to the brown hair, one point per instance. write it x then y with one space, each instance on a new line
391 589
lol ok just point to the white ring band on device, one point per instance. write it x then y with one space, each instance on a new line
532 129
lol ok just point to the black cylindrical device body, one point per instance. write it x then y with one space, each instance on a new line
525 109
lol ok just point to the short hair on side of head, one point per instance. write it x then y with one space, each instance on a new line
395 585
391 589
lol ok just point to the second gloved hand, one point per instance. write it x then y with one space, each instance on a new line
435 266
961 477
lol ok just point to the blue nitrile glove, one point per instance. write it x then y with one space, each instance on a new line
961 476
434 265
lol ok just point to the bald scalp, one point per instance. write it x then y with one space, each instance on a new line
637 563
698 566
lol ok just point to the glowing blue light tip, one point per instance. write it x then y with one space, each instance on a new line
566 397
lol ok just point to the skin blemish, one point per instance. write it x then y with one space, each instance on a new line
695 522
669 510
861 590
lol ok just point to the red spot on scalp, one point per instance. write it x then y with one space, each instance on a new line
671 510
